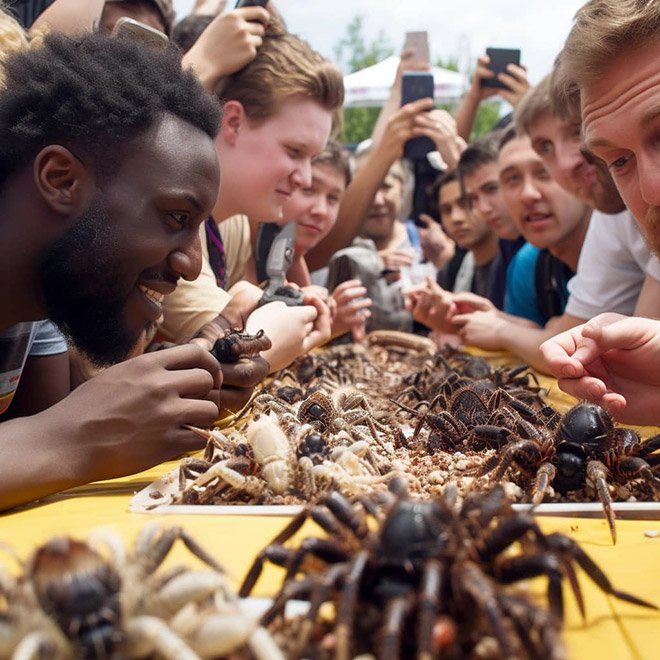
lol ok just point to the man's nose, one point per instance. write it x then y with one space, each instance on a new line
302 175
186 261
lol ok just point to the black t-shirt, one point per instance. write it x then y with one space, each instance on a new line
27 11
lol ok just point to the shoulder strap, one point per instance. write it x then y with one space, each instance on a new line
548 282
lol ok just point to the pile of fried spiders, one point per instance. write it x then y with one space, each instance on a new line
388 577
352 417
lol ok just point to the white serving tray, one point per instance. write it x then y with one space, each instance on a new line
157 498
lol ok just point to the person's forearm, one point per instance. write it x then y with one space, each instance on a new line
465 115
70 16
39 457
525 342
355 205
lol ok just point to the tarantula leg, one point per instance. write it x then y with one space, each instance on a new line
633 467
389 643
526 448
481 589
528 619
320 593
277 554
146 634
506 533
649 446
544 476
569 550
325 549
575 587
347 602
294 590
515 569
429 604
257 565
597 474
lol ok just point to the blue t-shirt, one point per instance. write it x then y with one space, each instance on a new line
508 250
521 295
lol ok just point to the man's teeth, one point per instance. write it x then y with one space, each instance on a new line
152 295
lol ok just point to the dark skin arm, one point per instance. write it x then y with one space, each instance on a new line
127 419
44 382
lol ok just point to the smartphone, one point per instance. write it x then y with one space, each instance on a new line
499 58
251 3
417 85
418 42
128 28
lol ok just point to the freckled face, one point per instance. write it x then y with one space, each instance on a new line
621 120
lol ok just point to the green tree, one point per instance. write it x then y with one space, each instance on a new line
487 116
353 53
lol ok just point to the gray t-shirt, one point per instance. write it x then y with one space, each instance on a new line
36 338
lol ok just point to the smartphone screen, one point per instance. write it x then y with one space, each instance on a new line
250 3
499 58
418 42
417 85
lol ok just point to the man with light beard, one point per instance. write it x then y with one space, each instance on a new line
617 272
611 56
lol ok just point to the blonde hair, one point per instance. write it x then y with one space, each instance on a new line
603 30
12 39
284 65
536 102
564 92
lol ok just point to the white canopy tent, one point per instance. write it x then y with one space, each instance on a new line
371 86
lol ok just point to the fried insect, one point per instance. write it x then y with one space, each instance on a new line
90 599
585 447
237 344
395 569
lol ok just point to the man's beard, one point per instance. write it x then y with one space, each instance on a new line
651 229
81 281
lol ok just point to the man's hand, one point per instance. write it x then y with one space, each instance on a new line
437 247
229 42
516 81
395 259
482 328
432 305
131 416
613 361
350 309
440 126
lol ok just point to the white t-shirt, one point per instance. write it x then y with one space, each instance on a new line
613 264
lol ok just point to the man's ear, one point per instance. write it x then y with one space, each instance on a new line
65 184
233 118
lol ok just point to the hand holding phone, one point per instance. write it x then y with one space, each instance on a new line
417 85
499 58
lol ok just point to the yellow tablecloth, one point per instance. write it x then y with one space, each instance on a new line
611 630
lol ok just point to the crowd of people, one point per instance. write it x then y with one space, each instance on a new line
136 177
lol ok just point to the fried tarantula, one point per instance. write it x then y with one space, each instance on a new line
411 578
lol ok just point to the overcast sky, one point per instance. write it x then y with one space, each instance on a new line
459 28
